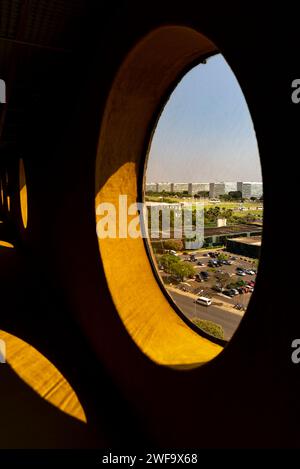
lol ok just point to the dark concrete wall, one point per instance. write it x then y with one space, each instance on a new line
244 249
53 288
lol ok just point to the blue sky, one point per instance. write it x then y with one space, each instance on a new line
205 132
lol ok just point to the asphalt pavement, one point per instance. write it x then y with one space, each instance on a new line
229 321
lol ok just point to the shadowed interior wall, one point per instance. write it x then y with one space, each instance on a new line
56 293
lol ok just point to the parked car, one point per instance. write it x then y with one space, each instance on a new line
227 262
199 278
200 263
234 291
192 258
204 275
174 253
241 273
249 272
228 293
251 283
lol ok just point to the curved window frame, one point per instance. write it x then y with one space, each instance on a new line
142 86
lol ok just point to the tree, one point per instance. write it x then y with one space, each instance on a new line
202 194
182 270
224 197
222 256
187 270
174 245
168 259
222 279
226 213
236 195
174 266
232 195
212 213
216 211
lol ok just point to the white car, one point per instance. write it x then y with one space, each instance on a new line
202 300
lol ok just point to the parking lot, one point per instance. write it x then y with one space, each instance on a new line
224 308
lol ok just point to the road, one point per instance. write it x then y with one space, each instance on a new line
229 321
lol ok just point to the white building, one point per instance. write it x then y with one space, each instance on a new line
164 186
250 189
220 188
195 187
221 222
151 187
179 186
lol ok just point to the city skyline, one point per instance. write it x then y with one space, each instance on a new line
198 181
205 132
248 189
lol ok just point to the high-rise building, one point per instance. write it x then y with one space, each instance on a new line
239 187
220 188
179 186
250 189
164 186
195 187
151 187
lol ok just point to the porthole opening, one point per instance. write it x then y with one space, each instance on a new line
141 87
204 196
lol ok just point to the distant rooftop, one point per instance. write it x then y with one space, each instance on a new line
227 230
254 240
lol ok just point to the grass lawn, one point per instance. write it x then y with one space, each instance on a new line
208 203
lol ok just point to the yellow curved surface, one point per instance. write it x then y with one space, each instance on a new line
137 93
41 375
6 244
1 193
147 315
23 194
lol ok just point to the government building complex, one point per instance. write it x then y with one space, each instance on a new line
215 189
